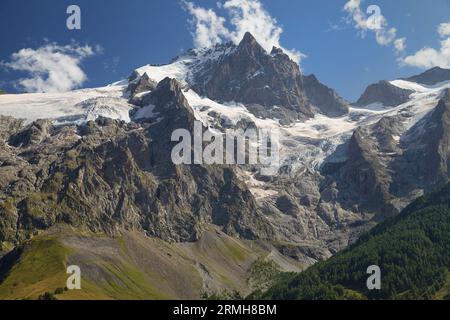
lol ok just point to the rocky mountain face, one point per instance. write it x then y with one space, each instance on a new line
415 242
110 176
323 98
384 93
432 76
270 85
251 76
139 85
341 169
383 172
425 161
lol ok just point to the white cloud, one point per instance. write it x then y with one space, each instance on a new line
52 67
400 45
243 16
209 28
385 36
429 57
352 7
375 23
249 15
444 29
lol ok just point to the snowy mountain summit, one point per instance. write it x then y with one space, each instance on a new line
270 85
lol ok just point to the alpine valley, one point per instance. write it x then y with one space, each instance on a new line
86 179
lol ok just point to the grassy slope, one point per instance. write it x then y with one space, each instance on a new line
41 267
130 267
412 250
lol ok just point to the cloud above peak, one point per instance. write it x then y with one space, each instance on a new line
444 29
209 27
242 16
52 67
429 57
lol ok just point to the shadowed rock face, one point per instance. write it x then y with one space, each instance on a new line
426 161
325 99
364 181
141 84
383 174
385 93
262 81
110 176
249 75
432 76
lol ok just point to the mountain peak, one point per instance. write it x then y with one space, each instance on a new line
436 69
276 51
432 76
248 38
323 98
250 44
385 93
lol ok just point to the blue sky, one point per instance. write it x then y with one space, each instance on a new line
124 35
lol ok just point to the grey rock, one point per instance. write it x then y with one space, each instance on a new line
287 205
109 176
248 74
140 85
382 174
325 99
33 134
432 76
385 93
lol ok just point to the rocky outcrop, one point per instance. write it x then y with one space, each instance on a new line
248 74
139 86
384 93
363 182
36 133
386 168
270 85
425 163
323 98
432 76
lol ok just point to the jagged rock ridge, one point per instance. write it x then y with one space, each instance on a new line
271 85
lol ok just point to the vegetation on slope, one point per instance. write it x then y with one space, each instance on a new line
35 268
132 267
412 251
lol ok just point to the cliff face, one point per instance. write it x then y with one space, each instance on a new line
432 76
384 93
341 169
251 76
109 176
325 100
